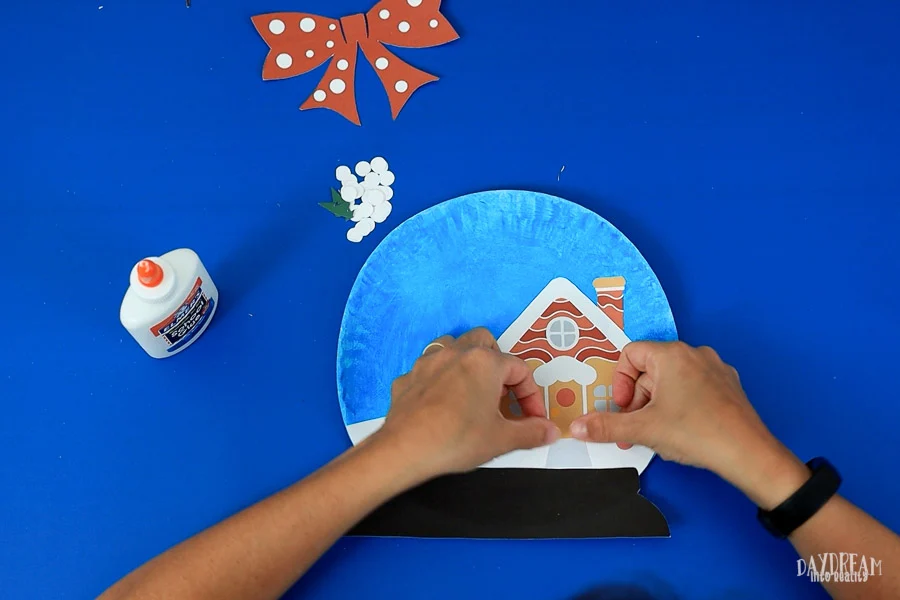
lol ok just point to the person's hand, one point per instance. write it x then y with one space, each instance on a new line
689 406
445 413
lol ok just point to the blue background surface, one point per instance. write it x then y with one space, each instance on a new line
749 149
478 260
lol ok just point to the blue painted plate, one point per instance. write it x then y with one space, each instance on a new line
477 260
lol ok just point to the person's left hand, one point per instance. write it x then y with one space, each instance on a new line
445 413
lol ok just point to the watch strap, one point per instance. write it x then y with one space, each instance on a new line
822 484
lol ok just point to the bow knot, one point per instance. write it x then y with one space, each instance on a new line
300 42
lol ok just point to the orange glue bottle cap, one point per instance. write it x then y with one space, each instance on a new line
149 273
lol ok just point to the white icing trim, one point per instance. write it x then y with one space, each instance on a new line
547 400
564 368
553 316
592 348
613 306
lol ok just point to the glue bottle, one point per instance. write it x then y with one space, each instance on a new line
170 302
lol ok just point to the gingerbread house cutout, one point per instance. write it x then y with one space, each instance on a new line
571 344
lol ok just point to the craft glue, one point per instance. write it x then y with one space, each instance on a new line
170 302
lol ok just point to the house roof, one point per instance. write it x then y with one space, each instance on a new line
591 341
561 289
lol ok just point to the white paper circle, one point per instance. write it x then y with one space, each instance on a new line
371 181
354 235
382 211
379 165
343 173
367 226
364 210
374 197
348 193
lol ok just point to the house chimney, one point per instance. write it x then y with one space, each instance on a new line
610 298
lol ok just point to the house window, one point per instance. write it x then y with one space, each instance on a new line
603 399
562 333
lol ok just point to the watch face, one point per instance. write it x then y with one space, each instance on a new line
558 285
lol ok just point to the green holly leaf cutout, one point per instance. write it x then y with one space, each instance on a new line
337 206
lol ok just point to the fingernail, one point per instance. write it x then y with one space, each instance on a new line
553 434
578 429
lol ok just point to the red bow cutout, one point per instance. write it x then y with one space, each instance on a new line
300 42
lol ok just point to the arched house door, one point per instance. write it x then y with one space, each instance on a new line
565 383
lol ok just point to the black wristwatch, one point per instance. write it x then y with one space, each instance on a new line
824 482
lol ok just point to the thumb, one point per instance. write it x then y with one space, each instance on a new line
606 427
531 432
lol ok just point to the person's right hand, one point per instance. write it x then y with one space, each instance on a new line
688 406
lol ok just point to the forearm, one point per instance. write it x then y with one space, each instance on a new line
838 529
261 551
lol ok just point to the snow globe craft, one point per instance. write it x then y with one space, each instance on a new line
563 290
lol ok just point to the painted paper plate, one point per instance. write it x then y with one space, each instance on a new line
557 284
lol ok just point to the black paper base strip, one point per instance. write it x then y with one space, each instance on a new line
521 504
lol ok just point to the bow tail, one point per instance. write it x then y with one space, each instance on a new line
399 78
337 90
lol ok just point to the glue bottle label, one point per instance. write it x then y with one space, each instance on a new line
186 322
